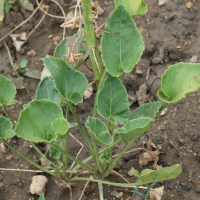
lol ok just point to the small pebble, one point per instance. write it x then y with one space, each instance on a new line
130 172
113 193
106 3
56 38
4 149
119 195
194 59
9 158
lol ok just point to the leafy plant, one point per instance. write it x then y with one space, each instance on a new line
42 119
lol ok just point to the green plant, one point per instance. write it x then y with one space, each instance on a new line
42 119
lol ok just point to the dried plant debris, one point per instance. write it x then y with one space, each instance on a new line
96 9
72 57
157 193
72 23
88 93
18 40
150 154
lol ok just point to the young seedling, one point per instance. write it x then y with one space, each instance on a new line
42 119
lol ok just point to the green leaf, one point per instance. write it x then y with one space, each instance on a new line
41 197
27 5
113 101
32 74
35 121
70 83
178 81
53 152
7 92
5 128
134 128
7 6
23 64
79 46
121 49
71 127
60 126
98 131
146 110
1 11
135 7
47 90
167 173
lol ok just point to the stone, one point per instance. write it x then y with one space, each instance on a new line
194 59
113 193
119 195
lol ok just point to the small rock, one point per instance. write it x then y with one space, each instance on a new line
38 184
106 3
1 185
163 112
159 146
9 158
185 186
130 172
162 2
119 195
142 94
113 193
198 189
56 38
50 36
194 59
194 136
158 55
138 71
31 53
4 149
181 142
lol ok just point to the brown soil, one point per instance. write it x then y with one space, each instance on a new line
171 35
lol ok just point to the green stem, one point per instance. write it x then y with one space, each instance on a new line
65 165
163 107
113 133
98 89
67 111
40 153
30 161
101 191
90 158
83 132
105 182
114 162
97 158
8 115
89 168
91 39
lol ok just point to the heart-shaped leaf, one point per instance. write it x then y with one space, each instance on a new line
123 46
178 81
70 83
135 7
79 46
167 173
98 131
35 121
60 126
134 128
47 90
7 92
5 128
113 101
146 110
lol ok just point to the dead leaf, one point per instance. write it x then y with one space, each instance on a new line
71 57
96 9
72 24
157 193
189 4
18 40
45 73
88 93
18 82
147 157
32 73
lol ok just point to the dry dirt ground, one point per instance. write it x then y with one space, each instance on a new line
171 35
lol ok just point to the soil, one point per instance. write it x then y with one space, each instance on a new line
171 35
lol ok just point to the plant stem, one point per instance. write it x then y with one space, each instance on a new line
98 89
67 111
64 146
40 153
101 191
104 182
90 158
89 168
30 161
114 162
83 132
8 115
163 107
97 158
91 39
